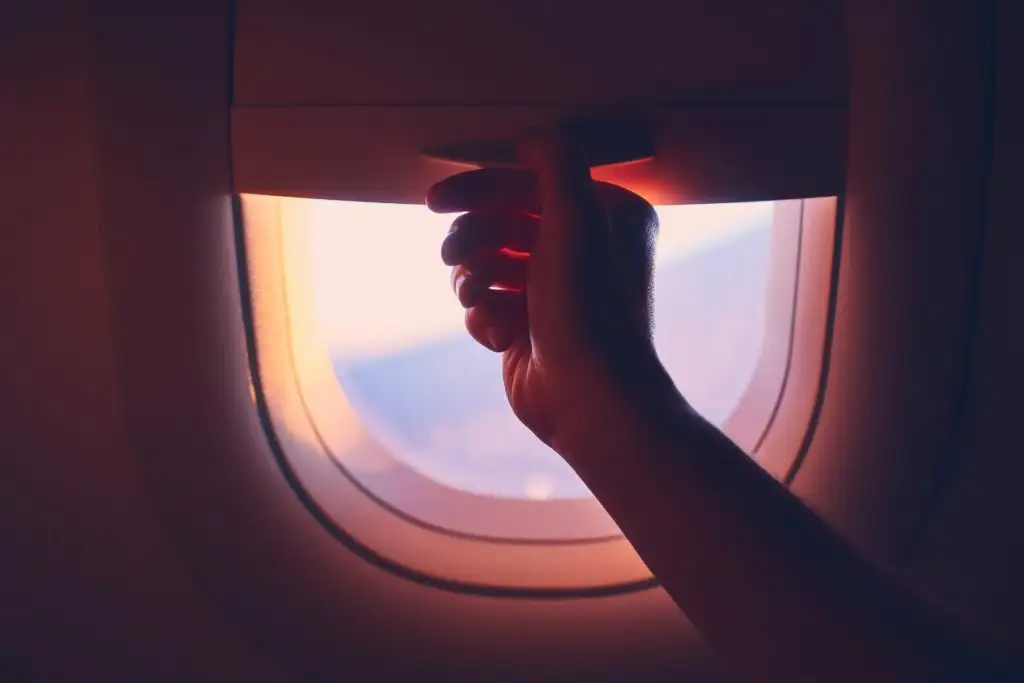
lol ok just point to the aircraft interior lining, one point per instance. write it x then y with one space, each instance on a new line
150 533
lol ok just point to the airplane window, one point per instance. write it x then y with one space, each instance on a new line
384 311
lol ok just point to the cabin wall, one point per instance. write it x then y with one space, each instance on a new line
90 585
906 281
970 550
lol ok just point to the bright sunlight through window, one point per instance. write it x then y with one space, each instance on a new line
393 330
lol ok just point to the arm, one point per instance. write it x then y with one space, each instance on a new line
765 581
770 587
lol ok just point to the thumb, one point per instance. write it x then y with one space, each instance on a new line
568 198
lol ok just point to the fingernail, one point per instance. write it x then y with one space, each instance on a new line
458 278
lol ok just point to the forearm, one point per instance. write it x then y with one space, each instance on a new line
767 584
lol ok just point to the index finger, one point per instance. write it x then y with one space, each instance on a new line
508 191
493 190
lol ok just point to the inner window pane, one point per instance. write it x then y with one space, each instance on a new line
394 331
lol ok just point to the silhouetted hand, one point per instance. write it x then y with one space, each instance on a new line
556 271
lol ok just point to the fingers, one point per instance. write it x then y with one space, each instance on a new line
484 272
491 286
475 233
493 190
592 231
498 320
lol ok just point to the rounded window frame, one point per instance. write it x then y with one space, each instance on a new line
460 536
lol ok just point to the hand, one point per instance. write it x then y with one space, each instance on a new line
564 293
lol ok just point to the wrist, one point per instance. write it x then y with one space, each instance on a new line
634 393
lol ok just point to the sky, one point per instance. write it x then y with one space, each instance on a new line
380 286
381 295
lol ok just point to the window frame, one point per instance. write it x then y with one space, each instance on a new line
530 545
